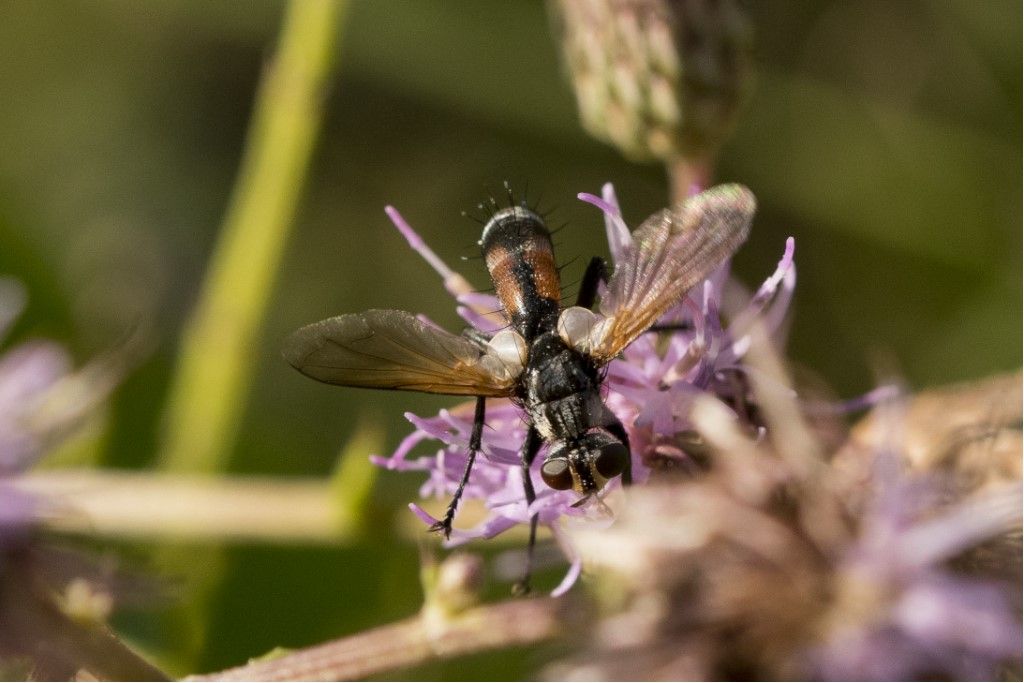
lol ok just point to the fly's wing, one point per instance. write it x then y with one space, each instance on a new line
382 349
672 251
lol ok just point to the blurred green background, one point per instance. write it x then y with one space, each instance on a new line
884 136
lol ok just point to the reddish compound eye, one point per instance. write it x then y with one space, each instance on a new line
612 459
556 474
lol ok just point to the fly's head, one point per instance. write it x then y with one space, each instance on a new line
585 464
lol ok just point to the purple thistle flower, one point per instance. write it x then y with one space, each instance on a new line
26 372
52 601
649 389
900 612
41 399
765 569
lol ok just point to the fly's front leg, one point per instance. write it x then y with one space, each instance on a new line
619 432
529 450
445 525
595 274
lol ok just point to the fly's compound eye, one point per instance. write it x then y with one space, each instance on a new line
555 473
611 460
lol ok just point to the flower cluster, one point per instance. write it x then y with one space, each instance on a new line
776 565
650 389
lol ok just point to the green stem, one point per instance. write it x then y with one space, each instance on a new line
215 366
209 390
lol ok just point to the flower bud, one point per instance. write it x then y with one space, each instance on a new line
659 79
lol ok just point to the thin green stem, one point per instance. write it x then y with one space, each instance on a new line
215 366
209 390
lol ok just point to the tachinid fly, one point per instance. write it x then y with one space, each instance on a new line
548 360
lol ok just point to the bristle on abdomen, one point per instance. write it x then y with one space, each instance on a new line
517 249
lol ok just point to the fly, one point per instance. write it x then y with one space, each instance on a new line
549 360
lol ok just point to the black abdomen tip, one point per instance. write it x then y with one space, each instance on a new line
512 227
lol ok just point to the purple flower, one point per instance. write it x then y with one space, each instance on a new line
52 601
26 372
40 400
649 389
769 567
899 611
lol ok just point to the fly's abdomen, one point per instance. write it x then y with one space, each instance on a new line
517 249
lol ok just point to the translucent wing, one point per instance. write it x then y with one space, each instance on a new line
672 251
382 349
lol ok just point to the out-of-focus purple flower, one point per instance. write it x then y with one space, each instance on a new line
53 602
649 389
899 610
26 372
40 400
767 568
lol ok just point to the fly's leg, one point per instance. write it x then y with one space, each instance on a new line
445 525
685 326
619 432
527 453
595 274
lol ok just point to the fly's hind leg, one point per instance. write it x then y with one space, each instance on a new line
527 453
596 273
445 525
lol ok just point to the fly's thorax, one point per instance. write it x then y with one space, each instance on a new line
556 371
516 246
568 417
